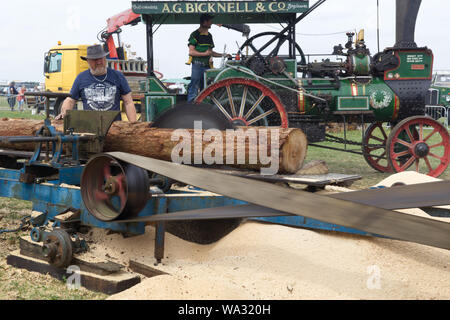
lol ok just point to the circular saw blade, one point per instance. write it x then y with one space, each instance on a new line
184 116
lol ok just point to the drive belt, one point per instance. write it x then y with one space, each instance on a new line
419 195
409 196
346 213
237 211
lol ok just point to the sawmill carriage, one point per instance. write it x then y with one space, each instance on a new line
272 82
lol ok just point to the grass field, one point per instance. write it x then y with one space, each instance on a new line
5 111
342 162
3 102
19 284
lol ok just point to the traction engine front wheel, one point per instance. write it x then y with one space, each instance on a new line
374 147
420 143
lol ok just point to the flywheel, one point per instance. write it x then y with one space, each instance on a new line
111 189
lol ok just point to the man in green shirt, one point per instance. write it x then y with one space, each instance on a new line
201 46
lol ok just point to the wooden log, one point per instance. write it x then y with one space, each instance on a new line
315 167
250 148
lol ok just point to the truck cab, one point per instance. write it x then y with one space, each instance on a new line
440 89
62 64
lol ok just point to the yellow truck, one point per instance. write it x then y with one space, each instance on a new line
63 63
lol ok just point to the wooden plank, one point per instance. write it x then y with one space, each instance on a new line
145 269
34 250
319 180
109 284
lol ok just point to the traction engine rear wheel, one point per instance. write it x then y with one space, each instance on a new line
374 147
420 143
245 102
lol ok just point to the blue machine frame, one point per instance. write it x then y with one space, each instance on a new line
52 198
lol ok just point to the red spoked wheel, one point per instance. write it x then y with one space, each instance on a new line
420 143
246 102
110 188
374 147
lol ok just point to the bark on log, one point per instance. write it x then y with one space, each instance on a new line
138 138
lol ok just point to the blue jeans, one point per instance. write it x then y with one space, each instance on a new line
12 102
196 81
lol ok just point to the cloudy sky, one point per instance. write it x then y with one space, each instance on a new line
31 27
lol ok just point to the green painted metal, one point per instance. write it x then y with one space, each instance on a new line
214 75
353 103
154 86
156 104
350 95
361 65
381 99
441 82
414 64
188 12
157 98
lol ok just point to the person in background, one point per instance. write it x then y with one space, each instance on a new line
201 46
40 101
21 97
12 93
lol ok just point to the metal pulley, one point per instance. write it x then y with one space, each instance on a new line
163 183
57 248
277 65
112 189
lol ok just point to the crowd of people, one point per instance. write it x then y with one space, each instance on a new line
17 97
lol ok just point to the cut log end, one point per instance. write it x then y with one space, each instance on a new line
293 151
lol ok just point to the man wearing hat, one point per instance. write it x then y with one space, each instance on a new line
100 88
200 49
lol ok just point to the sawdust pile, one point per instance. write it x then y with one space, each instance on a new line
262 261
407 177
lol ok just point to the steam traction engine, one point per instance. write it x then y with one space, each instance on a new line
262 87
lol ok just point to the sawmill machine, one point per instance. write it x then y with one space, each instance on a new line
266 86
73 184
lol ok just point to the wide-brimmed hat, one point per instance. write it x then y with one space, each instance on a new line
95 52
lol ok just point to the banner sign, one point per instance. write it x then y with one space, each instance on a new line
219 7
